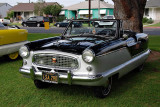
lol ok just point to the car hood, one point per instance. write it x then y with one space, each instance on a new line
71 46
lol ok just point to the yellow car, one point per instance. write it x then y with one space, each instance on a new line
11 40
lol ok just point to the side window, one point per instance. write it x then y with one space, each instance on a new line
46 19
40 18
68 31
34 19
30 19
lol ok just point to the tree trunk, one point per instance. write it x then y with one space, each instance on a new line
131 12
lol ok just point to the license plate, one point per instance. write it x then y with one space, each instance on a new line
50 77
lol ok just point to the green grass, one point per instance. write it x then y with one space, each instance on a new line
154 43
18 24
35 36
133 90
155 25
52 24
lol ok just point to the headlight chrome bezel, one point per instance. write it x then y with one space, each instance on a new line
24 52
88 56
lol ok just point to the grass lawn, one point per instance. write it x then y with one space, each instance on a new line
154 43
140 89
155 25
35 36
18 24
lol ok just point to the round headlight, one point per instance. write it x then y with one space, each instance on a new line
24 52
88 56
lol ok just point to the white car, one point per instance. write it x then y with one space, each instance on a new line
108 17
85 55
5 21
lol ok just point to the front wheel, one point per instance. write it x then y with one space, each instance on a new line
24 25
38 25
96 25
13 56
102 92
58 25
41 85
140 68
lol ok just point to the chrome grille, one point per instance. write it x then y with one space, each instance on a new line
64 62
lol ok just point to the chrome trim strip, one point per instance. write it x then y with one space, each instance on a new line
69 78
140 53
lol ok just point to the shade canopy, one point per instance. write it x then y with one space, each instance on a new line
102 11
62 13
84 12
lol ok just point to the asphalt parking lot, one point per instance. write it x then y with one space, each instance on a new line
55 30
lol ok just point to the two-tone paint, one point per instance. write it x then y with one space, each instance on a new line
11 40
112 57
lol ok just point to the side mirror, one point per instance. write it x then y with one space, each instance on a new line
125 36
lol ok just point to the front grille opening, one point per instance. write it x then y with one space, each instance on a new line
56 61
61 71
44 69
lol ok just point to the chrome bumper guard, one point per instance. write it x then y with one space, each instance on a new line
69 78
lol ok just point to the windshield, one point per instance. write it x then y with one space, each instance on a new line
101 28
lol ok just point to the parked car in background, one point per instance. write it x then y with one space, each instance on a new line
11 39
102 23
86 55
65 23
36 21
5 21
108 17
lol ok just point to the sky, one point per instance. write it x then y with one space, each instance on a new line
62 2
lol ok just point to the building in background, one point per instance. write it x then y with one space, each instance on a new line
81 10
152 9
4 8
26 10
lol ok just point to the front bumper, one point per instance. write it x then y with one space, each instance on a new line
69 78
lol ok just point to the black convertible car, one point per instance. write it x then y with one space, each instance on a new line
85 55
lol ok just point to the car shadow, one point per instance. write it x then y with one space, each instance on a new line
4 59
119 87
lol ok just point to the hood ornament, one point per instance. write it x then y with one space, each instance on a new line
54 60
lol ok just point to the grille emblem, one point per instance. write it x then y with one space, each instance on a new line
54 60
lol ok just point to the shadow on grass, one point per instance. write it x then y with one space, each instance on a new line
5 59
118 88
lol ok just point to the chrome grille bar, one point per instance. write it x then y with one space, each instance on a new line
55 61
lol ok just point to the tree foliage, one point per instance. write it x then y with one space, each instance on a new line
53 10
131 11
38 8
10 14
